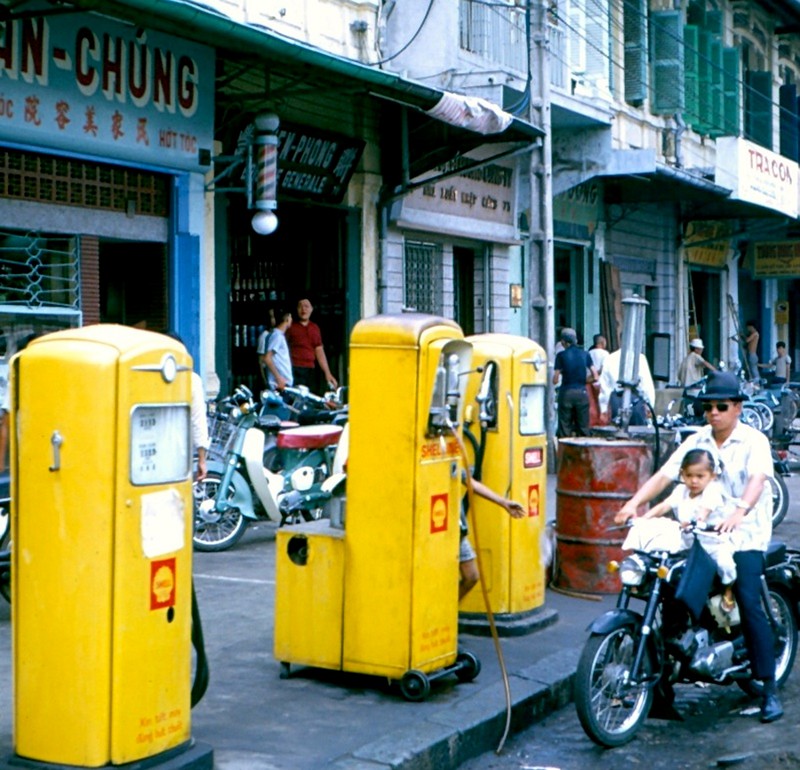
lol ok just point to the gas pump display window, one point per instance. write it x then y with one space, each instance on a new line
160 444
531 410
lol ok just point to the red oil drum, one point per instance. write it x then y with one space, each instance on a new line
595 478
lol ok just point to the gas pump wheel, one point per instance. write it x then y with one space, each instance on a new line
469 666
415 686
214 531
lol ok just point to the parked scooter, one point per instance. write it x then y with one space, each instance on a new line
632 659
242 489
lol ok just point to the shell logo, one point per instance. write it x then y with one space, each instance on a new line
439 509
533 500
162 584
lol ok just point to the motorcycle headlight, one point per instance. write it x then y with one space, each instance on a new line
234 414
632 571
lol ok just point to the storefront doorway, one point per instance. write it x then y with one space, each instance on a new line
133 284
314 253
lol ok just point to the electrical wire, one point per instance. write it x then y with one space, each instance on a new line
410 41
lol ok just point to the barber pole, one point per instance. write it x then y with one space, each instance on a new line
266 173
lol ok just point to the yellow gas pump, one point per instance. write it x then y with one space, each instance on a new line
102 557
394 567
506 400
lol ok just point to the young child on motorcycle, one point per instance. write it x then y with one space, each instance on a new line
699 499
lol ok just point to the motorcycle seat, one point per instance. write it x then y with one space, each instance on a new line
776 553
309 437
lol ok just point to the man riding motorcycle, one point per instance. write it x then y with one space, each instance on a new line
745 459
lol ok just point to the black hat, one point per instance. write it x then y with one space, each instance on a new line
722 386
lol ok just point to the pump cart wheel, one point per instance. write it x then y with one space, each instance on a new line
214 531
415 686
285 670
470 666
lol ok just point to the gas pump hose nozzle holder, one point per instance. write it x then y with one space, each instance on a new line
495 636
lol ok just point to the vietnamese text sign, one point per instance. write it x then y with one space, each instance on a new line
707 243
86 84
777 259
757 175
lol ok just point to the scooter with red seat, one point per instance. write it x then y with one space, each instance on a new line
299 486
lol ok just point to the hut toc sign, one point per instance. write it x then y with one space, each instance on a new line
89 85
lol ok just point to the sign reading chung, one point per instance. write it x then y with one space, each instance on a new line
89 85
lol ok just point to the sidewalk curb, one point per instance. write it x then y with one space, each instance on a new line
475 723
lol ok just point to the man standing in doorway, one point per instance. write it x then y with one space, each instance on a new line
305 348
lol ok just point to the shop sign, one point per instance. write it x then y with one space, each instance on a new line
480 202
315 164
88 85
578 205
707 243
757 175
777 259
781 312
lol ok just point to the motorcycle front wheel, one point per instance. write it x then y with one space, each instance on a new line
610 710
214 531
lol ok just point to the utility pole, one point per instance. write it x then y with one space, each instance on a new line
541 321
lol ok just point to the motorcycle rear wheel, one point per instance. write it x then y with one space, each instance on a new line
610 713
780 499
785 642
220 531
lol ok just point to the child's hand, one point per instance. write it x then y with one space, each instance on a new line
515 510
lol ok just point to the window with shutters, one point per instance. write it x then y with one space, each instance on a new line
789 100
423 277
667 46
589 55
496 31
634 28
759 99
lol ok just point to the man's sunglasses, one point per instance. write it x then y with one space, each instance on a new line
707 407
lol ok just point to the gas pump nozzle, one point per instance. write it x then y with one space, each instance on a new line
453 391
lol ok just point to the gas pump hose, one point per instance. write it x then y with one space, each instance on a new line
201 676
484 590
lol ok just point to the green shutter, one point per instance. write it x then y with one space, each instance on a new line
714 23
691 113
717 95
666 43
730 91
758 108
635 33
704 80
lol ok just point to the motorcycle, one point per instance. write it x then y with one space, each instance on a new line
305 477
633 658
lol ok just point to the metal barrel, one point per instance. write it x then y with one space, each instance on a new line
595 478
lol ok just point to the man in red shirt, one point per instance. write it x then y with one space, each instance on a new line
305 348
